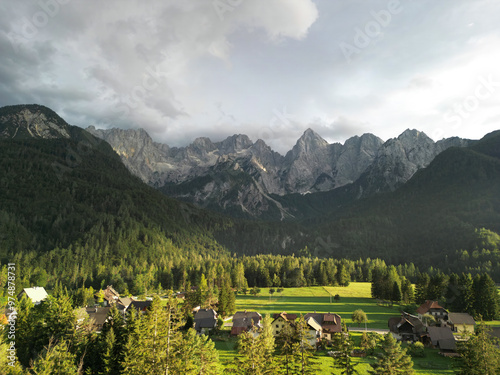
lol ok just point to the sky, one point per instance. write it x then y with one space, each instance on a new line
183 69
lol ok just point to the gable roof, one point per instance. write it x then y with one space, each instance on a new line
205 314
246 319
461 319
428 305
442 337
98 314
205 318
330 323
285 316
36 294
311 322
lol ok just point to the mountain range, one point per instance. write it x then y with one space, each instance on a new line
66 192
246 179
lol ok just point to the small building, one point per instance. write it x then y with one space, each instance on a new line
314 331
442 338
280 320
123 303
461 322
109 295
243 321
205 320
432 308
36 294
407 327
330 323
98 315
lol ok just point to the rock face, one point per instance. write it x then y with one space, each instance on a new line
399 158
32 121
239 175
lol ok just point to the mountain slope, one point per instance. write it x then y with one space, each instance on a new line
438 211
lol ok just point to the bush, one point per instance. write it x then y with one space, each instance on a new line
417 350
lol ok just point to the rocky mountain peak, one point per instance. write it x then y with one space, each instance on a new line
32 121
235 143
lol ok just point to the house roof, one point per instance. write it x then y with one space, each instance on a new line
205 318
246 314
441 337
205 314
461 319
140 305
36 294
284 315
123 302
311 322
428 305
98 314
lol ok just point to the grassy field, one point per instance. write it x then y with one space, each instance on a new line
310 299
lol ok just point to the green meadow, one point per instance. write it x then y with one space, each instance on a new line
317 298
303 300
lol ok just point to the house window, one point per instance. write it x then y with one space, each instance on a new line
277 325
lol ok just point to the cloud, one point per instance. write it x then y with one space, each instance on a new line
183 69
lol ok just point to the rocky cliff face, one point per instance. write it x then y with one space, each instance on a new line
399 158
237 174
31 121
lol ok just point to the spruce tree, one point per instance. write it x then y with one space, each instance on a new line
344 360
479 355
393 360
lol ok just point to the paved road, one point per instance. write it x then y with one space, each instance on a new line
361 329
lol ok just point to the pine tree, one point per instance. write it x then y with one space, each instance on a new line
57 360
302 349
132 348
396 292
393 359
344 360
227 299
421 288
479 355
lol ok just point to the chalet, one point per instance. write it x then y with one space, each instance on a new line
205 320
442 338
36 294
280 320
432 308
407 327
244 321
330 323
461 322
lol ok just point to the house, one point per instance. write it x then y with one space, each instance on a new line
98 315
442 338
36 294
432 308
407 327
109 295
205 320
330 323
244 321
461 322
280 320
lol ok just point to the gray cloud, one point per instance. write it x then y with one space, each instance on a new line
266 68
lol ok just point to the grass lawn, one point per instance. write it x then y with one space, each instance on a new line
310 299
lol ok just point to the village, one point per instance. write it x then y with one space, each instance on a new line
432 325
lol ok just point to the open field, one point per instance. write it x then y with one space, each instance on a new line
310 299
